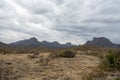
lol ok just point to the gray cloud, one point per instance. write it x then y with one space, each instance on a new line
63 20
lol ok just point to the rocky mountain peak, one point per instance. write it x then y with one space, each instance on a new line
101 41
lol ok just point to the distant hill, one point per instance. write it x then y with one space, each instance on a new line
3 45
55 44
102 41
33 42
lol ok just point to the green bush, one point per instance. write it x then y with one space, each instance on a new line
112 61
66 54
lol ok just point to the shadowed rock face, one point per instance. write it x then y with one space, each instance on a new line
33 42
102 41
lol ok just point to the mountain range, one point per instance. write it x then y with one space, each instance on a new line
33 43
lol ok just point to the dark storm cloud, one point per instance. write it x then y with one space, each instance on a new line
72 20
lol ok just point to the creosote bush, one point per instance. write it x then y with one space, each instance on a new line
66 54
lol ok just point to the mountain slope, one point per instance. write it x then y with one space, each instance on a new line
3 45
5 48
33 42
102 41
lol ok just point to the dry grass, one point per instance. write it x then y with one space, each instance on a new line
96 75
45 67
7 71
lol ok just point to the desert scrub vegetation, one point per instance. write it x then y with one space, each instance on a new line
111 61
43 61
66 54
34 55
117 78
109 67
96 75
4 51
7 72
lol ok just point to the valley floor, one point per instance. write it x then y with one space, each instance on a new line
53 69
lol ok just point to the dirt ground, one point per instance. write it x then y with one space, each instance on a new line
50 69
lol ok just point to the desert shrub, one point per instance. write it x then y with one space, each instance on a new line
66 78
66 54
43 61
4 51
35 55
7 73
52 55
96 75
111 61
117 78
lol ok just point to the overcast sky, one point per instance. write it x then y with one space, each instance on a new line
73 21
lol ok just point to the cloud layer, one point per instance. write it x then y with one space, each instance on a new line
59 20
